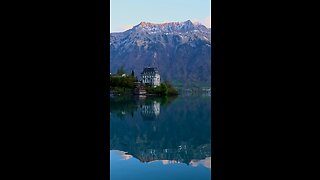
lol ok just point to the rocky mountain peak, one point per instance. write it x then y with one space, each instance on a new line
185 26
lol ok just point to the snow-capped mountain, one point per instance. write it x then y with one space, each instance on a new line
180 50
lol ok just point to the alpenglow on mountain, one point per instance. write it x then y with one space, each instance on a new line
180 50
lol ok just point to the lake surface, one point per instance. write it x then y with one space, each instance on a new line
160 138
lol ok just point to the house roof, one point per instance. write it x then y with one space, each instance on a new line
149 70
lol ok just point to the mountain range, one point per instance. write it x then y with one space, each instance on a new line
181 51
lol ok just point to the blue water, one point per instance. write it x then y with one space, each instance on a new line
160 138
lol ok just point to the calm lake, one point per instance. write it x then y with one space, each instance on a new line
160 138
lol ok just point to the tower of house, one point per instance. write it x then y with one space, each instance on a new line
150 76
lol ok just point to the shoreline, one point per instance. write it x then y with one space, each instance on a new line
131 94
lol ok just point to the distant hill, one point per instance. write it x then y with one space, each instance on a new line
180 50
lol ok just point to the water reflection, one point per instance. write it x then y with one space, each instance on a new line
167 130
150 111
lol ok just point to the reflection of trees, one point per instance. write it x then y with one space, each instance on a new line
181 132
122 106
149 107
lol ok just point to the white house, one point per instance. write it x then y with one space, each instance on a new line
150 76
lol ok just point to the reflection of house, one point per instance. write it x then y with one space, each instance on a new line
150 76
150 111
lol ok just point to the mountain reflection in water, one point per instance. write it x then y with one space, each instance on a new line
166 129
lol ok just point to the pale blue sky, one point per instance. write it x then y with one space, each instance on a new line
127 13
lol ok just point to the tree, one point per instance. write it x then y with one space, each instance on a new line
132 73
121 70
170 89
163 89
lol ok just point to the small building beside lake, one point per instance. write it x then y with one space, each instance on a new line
139 89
